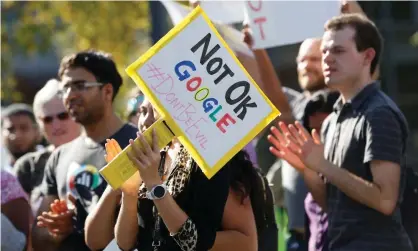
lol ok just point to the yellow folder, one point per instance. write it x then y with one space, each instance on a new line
121 168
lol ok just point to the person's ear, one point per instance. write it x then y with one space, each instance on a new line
369 55
108 92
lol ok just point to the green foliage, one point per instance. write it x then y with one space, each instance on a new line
118 27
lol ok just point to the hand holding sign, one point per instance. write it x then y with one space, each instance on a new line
146 159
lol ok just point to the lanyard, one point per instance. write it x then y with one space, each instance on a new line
157 239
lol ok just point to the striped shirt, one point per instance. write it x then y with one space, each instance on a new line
369 127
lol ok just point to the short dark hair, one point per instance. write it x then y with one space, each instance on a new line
17 109
99 63
366 34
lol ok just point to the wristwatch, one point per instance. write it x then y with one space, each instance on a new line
157 192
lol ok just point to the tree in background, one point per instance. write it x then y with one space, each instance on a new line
33 28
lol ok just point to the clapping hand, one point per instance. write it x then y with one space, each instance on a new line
58 220
295 145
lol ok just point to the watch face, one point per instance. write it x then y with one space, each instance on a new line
159 191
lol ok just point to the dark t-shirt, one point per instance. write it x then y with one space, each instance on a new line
369 127
74 168
29 170
202 199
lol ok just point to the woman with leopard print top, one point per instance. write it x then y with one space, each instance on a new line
195 213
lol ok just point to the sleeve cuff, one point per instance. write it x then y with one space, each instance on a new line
186 237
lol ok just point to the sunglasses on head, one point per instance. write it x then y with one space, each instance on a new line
60 116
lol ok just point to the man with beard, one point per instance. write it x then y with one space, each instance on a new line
89 82
19 130
57 127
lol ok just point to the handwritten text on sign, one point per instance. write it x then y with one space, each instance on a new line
204 90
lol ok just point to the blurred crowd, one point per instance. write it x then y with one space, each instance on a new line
345 186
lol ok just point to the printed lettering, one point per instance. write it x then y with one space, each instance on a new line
205 54
234 87
227 71
224 121
243 107
209 103
185 74
193 84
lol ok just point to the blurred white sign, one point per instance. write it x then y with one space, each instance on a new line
224 12
276 23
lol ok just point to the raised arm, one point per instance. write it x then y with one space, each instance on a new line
270 83
99 232
126 228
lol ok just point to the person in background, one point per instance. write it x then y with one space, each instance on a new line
16 211
320 105
88 84
57 127
133 106
20 133
356 169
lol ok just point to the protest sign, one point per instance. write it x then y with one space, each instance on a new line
205 96
276 23
224 12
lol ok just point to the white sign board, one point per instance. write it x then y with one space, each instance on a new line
224 12
204 94
276 23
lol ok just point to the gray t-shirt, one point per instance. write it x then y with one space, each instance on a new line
29 170
74 168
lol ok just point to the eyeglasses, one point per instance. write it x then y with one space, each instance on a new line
61 116
80 85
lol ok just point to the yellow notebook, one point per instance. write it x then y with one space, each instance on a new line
121 168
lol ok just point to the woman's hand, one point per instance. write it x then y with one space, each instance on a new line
131 186
146 159
112 148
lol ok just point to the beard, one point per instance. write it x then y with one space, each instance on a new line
316 85
18 153
89 116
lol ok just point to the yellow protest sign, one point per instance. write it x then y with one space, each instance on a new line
204 94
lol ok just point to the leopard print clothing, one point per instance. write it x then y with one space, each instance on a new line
186 238
182 166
